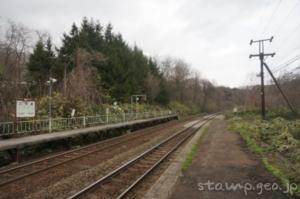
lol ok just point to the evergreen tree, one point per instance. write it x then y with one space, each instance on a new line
124 70
163 96
41 61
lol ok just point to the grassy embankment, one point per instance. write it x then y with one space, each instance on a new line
276 141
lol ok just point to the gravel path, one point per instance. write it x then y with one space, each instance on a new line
224 158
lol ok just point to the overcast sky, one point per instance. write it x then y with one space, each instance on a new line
211 35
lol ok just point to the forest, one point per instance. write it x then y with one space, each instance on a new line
94 67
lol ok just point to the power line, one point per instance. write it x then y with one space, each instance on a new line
286 64
272 16
289 36
282 24
266 5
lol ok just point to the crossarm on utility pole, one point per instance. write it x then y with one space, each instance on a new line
279 88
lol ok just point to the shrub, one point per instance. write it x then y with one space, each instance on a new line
179 108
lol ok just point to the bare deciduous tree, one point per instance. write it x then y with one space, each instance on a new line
81 80
14 47
152 86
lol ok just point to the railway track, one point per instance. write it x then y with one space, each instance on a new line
20 172
118 183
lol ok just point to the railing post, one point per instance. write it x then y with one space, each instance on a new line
15 128
107 112
50 125
124 117
84 122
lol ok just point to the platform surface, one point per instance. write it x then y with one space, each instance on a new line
20 142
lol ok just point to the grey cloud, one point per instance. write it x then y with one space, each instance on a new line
211 35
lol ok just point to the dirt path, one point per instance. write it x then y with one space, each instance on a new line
224 158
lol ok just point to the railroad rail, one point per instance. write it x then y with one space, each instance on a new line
8 176
118 183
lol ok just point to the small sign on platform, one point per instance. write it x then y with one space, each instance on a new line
25 108
73 112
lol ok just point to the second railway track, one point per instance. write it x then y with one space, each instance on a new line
34 177
11 175
118 183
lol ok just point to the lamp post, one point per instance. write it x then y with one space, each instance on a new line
137 97
50 82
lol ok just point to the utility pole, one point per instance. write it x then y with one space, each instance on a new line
262 56
50 105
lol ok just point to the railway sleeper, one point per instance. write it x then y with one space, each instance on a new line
142 166
159 153
139 169
109 189
124 175
151 160
117 180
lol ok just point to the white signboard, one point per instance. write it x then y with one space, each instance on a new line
25 108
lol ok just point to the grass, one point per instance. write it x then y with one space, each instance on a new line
282 176
275 171
191 155
252 144
252 133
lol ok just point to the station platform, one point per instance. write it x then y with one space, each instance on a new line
18 143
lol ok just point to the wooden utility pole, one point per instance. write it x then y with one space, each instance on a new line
262 56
